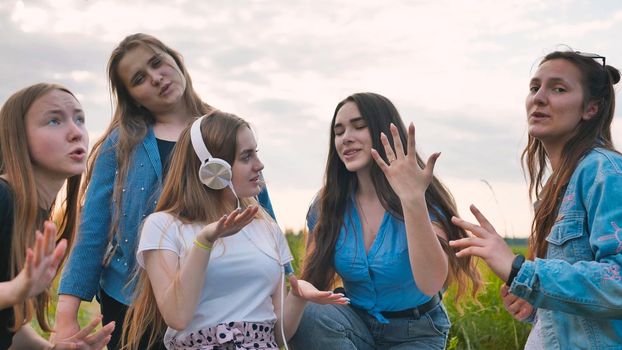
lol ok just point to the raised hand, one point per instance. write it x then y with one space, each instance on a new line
84 340
519 308
307 291
42 262
229 225
486 243
403 172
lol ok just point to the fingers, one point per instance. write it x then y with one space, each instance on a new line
467 242
334 298
388 150
38 251
293 282
429 167
100 345
474 229
482 219
381 163
471 251
524 312
504 290
100 336
30 257
411 139
59 252
49 237
397 142
87 330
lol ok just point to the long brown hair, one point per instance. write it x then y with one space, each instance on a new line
187 199
597 84
132 120
378 112
29 210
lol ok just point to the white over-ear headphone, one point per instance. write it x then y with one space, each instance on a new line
214 173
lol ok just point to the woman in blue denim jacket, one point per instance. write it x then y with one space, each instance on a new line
573 284
381 223
155 101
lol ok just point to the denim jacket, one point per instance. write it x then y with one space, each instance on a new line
84 273
578 287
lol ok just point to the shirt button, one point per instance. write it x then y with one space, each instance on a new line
123 190
142 188
126 240
141 164
144 215
125 264
124 214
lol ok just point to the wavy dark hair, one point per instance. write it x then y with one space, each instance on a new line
378 112
597 83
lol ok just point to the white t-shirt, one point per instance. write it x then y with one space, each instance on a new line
243 272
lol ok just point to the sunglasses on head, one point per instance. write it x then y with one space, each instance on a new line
593 56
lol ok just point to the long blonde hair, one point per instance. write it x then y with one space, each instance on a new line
29 212
187 199
132 120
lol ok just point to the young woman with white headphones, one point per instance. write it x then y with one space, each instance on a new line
211 259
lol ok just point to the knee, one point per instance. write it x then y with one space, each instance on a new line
316 322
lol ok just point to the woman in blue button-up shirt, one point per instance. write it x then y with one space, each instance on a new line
573 285
381 224
155 101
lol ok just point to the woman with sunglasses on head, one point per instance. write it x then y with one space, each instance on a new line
211 261
572 280
43 144
154 101
381 224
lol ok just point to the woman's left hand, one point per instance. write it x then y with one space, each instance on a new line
307 291
486 243
403 171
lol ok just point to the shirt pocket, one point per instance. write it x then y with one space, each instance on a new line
569 240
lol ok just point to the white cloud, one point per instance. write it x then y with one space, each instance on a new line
458 69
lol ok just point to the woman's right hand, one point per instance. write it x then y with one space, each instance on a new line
519 308
228 225
41 264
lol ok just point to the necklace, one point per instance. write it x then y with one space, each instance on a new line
369 235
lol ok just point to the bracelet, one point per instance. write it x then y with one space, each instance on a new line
207 247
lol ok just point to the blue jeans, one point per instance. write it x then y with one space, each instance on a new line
344 327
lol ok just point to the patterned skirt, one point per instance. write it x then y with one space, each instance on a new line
229 336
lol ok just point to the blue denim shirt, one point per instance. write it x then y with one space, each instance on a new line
578 287
380 279
84 273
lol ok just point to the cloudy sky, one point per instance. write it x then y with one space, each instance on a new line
458 69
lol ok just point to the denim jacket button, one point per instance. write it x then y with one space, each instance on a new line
142 188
